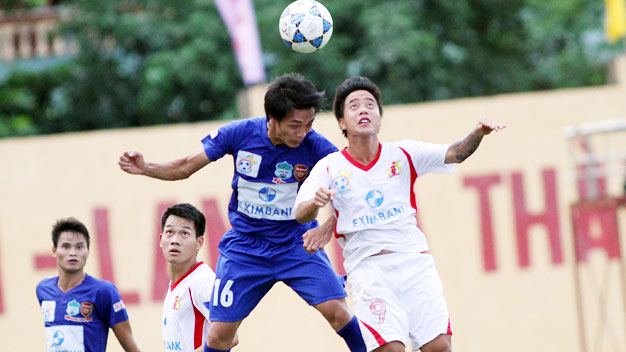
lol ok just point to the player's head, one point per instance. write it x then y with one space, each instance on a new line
70 244
182 229
291 103
69 225
189 212
352 85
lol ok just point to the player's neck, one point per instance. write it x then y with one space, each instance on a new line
363 148
177 271
68 281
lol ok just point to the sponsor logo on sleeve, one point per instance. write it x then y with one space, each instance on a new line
117 306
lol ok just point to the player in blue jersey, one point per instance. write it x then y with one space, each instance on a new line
272 156
79 309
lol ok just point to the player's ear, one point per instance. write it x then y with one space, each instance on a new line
342 124
54 251
199 241
160 238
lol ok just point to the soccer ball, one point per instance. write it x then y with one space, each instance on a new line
305 26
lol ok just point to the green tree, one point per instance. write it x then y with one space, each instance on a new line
144 62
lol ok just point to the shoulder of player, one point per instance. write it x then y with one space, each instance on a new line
46 284
247 124
317 140
100 284
202 276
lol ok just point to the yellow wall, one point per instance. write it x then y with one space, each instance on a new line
512 307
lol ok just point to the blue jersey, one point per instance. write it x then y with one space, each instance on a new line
266 178
79 320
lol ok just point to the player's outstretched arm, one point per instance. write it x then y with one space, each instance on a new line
461 150
125 336
177 169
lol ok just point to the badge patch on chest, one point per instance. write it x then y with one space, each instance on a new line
248 163
283 170
301 172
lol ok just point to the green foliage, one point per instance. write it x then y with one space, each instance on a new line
144 62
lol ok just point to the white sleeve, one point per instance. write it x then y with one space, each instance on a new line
428 157
201 291
318 177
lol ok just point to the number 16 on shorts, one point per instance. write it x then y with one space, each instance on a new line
225 297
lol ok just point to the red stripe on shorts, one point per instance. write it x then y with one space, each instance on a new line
449 332
377 336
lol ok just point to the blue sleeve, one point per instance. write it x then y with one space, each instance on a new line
223 140
111 306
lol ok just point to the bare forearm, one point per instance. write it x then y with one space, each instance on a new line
170 170
124 335
177 169
307 212
462 149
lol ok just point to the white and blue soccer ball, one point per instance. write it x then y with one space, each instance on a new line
305 26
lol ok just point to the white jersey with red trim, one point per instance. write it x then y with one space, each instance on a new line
185 319
375 204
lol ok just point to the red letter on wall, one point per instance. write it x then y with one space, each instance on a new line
549 218
215 229
482 184
604 235
161 280
101 219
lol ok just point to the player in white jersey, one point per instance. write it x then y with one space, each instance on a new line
393 282
185 320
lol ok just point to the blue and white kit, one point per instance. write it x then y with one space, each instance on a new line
79 319
265 244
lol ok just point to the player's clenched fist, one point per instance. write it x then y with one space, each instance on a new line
132 162
323 195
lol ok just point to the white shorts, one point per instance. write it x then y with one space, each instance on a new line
397 296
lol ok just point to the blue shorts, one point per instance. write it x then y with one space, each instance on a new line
248 268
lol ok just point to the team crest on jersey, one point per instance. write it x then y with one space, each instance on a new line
301 172
395 169
283 170
72 308
176 305
248 163
47 309
86 308
341 182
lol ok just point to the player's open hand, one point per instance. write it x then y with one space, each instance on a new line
322 196
315 239
485 127
132 162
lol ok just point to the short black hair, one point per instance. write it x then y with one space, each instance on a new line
291 91
189 212
68 225
350 85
